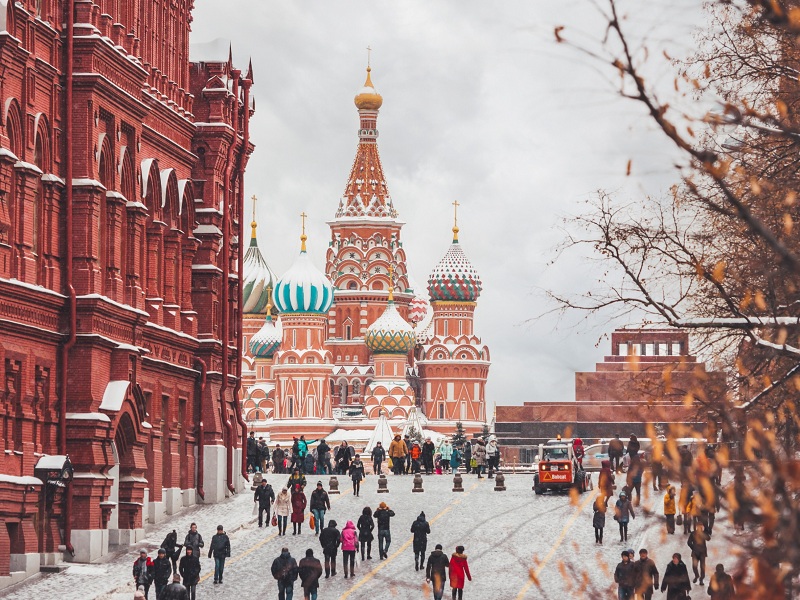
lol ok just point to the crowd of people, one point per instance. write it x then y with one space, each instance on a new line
693 509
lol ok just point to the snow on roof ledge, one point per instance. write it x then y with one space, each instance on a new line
52 462
114 395
21 480
214 51
88 417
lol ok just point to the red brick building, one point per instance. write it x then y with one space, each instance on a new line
650 378
121 182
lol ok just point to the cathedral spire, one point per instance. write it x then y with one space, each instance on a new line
253 224
366 193
455 221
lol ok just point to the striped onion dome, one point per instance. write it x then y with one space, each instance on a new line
390 333
303 288
267 339
417 309
454 278
258 280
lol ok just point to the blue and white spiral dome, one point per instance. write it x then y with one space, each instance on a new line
303 288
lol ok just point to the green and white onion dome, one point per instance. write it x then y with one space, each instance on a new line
454 279
390 333
267 339
258 280
303 288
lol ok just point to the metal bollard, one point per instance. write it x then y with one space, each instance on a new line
500 482
457 483
417 483
333 485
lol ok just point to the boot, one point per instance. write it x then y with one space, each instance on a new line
345 570
416 563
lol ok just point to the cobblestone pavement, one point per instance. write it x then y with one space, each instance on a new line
508 536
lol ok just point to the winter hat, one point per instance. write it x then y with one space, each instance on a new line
162 551
383 505
220 528
331 523
319 483
176 578
622 494
143 551
310 553
421 516
438 547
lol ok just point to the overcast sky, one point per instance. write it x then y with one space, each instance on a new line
480 105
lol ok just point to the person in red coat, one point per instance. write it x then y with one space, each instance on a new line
298 509
458 569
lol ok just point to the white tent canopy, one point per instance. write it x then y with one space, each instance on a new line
382 433
416 420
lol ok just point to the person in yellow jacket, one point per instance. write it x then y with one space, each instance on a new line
397 453
670 509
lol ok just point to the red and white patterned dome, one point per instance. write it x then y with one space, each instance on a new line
417 309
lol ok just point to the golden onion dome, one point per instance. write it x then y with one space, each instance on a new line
367 98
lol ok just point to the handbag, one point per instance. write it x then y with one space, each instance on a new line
473 463
274 520
679 519
255 508
311 521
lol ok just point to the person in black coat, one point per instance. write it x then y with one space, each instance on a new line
309 570
342 459
172 548
365 526
633 446
436 572
357 474
625 577
320 502
329 539
467 457
698 543
175 590
428 449
646 576
378 456
284 570
265 496
162 569
383 516
252 452
189 569
420 528
721 585
278 458
676 579
323 452
220 549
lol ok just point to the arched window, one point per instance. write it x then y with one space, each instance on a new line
352 285
41 158
105 171
128 189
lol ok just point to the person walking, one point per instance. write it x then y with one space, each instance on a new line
309 463
397 453
349 547
296 478
646 576
172 548
467 457
492 456
143 572
283 507
329 539
302 451
309 571
284 570
408 459
263 455
625 578
634 479
426 453
278 458
599 519
446 452
657 473
357 474
194 539
623 513
189 568
459 568
342 458
455 460
318 505
670 509
416 454
687 508
220 549
420 528
634 446
605 481
252 452
295 454
479 454
616 448
323 458
265 496
378 456
698 544
436 571
365 526
175 590
383 515
720 586
578 451
676 579
298 509
162 571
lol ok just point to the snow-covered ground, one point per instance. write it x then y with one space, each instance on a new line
508 536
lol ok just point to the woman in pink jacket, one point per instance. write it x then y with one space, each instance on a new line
349 545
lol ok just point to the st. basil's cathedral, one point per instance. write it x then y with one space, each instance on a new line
335 350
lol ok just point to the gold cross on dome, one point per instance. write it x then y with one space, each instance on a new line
303 216
369 51
254 199
456 204
303 237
